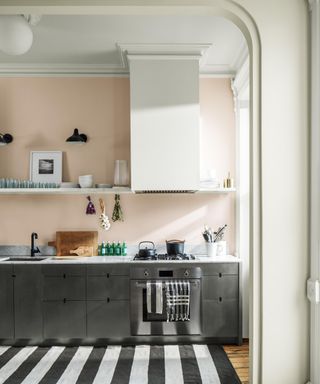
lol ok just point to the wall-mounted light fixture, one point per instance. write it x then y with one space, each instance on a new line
77 138
5 139
16 35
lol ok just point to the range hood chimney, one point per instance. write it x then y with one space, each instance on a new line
165 116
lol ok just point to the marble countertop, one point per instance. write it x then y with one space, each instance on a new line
118 259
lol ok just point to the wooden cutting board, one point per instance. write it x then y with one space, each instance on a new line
67 241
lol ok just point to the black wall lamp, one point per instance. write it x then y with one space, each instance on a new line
5 139
77 138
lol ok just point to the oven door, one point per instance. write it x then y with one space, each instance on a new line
144 323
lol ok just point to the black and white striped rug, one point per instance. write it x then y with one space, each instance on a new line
169 364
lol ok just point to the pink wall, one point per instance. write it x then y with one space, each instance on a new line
42 112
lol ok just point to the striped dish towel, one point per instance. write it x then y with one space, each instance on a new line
178 300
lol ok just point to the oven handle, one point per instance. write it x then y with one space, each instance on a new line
143 284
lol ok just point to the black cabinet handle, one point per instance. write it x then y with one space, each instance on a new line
220 274
220 299
108 300
108 275
64 276
64 300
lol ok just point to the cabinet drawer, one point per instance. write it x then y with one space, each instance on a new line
63 270
109 269
225 286
220 269
59 288
64 319
108 319
102 288
220 319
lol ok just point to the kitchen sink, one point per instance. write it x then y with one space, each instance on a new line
25 258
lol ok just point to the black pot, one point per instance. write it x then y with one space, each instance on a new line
175 247
147 252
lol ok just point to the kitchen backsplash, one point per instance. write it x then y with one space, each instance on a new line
24 250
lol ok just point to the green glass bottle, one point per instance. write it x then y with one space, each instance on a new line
124 249
108 249
103 249
111 249
118 249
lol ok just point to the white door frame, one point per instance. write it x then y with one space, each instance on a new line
313 282
239 16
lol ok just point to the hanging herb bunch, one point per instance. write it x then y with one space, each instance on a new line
90 207
117 214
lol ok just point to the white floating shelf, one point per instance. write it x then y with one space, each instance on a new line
90 191
62 191
216 190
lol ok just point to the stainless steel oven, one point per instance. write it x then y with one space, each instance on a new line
145 323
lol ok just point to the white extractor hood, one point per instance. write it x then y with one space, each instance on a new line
164 91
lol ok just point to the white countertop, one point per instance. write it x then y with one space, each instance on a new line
122 259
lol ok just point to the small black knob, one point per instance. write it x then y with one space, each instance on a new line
220 299
14 275
108 300
220 274
64 275
108 275
64 300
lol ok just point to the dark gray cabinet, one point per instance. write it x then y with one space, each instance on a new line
28 301
108 306
108 319
6 302
64 301
64 319
221 306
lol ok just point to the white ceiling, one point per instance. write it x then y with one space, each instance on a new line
88 44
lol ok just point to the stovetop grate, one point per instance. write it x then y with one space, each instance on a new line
165 256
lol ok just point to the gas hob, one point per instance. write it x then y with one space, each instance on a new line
166 257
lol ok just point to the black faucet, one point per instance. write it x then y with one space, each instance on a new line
34 249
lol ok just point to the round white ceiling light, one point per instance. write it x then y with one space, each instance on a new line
16 35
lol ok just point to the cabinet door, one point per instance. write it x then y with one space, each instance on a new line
28 301
64 319
220 318
6 302
108 319
112 287
64 287
224 286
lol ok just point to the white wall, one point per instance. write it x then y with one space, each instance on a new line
283 31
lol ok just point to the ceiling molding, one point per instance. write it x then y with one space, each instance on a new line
61 69
240 57
163 52
159 51
241 81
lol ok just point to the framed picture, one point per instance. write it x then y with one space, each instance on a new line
46 167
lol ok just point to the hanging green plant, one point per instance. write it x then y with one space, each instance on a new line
117 214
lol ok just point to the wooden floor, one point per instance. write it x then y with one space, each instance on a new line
239 357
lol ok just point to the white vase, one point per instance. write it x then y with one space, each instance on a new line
121 173
221 248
